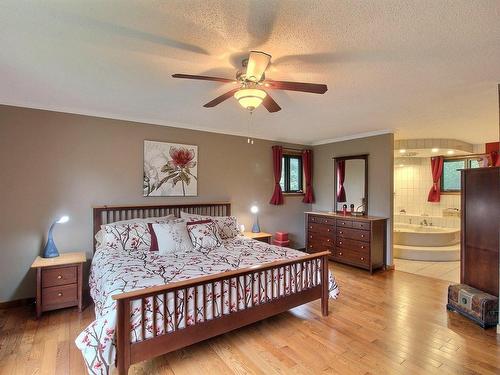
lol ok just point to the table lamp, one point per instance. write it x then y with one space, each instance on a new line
255 210
50 250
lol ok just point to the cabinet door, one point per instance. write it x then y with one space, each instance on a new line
480 228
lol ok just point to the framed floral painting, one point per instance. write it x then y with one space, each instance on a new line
170 169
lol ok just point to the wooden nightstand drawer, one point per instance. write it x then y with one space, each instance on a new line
59 276
59 296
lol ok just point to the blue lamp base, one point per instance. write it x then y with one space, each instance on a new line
50 250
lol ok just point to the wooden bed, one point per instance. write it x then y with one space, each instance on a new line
128 352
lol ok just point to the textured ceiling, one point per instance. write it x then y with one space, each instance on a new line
421 68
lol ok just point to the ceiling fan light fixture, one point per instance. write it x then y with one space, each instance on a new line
250 98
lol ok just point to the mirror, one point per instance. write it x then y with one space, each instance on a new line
351 184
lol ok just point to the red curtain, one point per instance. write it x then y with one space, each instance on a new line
437 171
307 166
495 159
340 181
277 197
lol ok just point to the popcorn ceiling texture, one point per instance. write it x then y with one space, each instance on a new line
426 69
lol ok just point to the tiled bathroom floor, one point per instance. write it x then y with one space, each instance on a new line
449 271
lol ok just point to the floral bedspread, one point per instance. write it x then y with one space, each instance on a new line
115 271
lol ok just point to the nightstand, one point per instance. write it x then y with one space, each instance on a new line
260 236
59 282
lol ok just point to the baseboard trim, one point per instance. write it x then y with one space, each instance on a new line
17 303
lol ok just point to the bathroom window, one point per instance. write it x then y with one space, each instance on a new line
291 174
451 179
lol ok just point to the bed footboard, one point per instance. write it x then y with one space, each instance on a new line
179 314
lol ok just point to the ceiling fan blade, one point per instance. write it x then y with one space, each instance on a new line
270 104
257 65
221 98
204 78
315 88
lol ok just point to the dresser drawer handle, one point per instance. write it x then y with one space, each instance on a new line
362 236
341 232
59 294
328 230
362 247
310 236
326 221
362 258
59 277
340 253
340 243
310 245
311 227
327 240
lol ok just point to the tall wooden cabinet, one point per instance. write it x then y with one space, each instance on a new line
480 228
357 241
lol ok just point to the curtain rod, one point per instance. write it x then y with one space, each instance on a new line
295 149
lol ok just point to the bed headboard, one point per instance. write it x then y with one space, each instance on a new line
110 214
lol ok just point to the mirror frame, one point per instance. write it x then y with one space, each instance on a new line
350 157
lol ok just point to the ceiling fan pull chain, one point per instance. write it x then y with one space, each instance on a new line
250 139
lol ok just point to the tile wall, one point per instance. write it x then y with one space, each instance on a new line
412 183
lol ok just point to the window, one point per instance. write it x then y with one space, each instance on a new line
451 180
291 174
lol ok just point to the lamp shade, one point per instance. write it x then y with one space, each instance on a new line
250 98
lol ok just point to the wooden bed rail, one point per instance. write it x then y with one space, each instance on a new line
287 284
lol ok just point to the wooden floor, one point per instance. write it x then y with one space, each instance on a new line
388 323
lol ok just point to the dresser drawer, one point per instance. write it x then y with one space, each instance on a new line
324 229
351 257
59 295
318 246
361 225
362 247
321 238
321 220
59 276
354 234
344 223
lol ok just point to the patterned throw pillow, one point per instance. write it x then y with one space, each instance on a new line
132 236
169 237
204 235
227 226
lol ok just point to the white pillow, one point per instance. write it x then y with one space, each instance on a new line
227 226
172 236
142 220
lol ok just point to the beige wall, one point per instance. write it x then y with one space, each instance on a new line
380 175
53 163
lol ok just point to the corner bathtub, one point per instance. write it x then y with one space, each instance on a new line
429 243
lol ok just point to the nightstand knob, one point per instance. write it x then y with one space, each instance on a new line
340 243
362 236
362 258
362 247
327 240
343 223
59 294
341 232
340 253
59 277
310 236
326 221
328 230
311 227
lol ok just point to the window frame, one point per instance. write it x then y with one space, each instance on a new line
285 160
467 159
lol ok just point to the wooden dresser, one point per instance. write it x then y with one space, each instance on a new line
480 231
357 241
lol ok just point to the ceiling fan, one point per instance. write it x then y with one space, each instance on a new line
251 81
